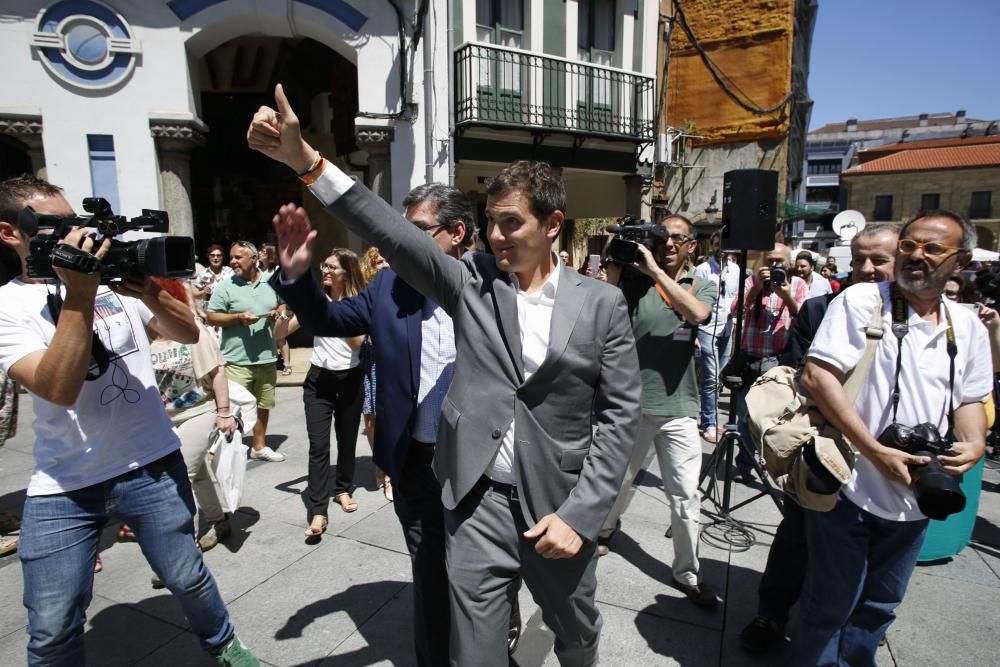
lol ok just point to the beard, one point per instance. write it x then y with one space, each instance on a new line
930 280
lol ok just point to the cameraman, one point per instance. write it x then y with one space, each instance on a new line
666 304
862 553
103 443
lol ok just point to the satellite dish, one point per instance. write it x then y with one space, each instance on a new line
848 223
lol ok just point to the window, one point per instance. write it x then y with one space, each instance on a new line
103 169
883 208
500 21
596 27
980 207
930 201
595 43
817 167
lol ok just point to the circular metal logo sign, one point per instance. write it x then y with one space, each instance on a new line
85 44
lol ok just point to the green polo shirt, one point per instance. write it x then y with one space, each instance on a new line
246 345
665 345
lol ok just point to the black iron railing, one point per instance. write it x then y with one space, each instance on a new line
496 85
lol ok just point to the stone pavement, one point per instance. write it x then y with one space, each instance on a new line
346 601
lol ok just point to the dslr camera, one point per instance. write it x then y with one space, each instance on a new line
938 493
779 275
162 256
624 247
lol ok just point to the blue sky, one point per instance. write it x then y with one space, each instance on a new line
886 58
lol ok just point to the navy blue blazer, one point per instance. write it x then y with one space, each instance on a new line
391 312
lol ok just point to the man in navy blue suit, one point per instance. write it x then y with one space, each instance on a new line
414 353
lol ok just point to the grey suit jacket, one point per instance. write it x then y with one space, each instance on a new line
577 417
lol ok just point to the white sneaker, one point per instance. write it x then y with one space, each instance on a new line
266 454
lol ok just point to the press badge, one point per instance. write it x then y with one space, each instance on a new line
682 334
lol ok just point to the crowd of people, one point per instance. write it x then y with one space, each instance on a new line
510 403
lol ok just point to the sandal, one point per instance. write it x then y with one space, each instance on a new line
125 534
346 502
287 370
315 530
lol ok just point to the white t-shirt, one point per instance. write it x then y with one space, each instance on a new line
118 422
818 285
729 275
334 354
923 381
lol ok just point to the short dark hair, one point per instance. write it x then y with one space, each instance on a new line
542 184
808 256
678 216
872 229
451 206
969 236
17 191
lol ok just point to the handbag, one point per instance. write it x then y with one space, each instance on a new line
807 458
229 465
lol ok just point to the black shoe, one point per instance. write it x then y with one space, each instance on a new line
603 545
702 595
743 475
514 633
762 635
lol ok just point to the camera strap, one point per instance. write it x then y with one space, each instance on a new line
666 298
98 352
900 327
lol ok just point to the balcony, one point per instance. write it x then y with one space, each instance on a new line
501 86
822 180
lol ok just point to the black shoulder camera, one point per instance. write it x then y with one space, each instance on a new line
938 493
162 256
624 247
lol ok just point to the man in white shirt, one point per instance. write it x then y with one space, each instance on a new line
542 413
805 267
862 553
715 335
104 445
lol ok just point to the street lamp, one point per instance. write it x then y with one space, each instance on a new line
711 211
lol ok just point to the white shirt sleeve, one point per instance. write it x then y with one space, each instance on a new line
19 337
977 381
331 184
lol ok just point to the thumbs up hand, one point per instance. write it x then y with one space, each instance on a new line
276 134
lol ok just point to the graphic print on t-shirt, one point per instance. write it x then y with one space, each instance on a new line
113 326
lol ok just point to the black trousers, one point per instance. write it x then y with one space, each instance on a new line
331 396
418 505
785 572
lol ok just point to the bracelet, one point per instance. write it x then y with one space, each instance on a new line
319 157
314 173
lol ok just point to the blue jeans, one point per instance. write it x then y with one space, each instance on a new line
59 539
858 569
715 352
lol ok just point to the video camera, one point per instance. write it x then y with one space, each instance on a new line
162 256
624 247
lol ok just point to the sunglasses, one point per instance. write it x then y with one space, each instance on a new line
932 248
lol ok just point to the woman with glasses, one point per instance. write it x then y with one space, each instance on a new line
204 283
332 393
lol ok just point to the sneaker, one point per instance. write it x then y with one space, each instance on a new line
710 434
266 454
236 654
702 595
762 635
218 532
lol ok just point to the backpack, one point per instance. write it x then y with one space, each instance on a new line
806 458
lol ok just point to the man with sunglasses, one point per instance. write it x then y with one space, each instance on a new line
666 304
104 445
931 356
246 307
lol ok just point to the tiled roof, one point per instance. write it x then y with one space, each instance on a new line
948 157
933 120
897 146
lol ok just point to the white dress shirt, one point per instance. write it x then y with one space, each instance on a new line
437 366
534 320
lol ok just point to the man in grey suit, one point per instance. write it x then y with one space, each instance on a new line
543 409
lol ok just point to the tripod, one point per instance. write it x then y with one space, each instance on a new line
731 437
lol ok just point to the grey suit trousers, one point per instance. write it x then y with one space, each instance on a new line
486 552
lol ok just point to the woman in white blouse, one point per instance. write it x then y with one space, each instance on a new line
332 393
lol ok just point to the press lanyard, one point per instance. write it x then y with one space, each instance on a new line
663 294
900 327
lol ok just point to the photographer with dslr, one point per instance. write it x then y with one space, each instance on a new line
103 443
921 397
666 304
771 301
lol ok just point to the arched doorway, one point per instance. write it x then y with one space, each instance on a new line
235 191
986 238
14 158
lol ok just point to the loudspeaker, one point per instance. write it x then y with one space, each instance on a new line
749 202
